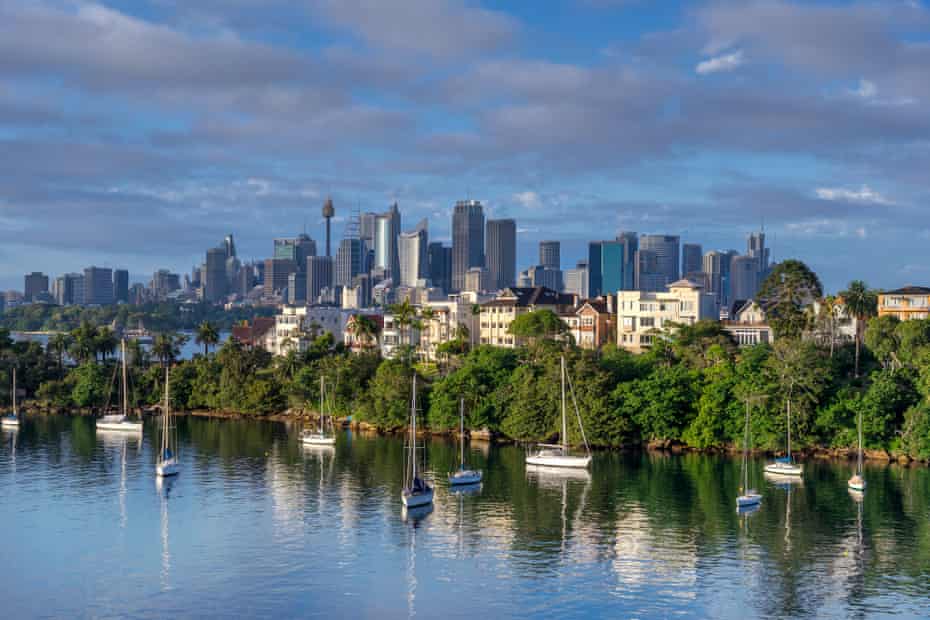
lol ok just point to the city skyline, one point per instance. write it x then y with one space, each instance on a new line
577 119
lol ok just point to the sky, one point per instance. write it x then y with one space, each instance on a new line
137 134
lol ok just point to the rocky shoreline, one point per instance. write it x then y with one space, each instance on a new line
670 447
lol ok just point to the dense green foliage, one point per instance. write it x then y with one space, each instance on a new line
692 387
157 317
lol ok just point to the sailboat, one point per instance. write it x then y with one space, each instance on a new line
785 466
415 492
319 438
121 421
857 482
167 464
748 496
11 419
550 455
464 475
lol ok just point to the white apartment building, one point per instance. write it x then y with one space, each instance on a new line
296 326
497 314
441 322
643 316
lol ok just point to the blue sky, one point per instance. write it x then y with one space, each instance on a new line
136 134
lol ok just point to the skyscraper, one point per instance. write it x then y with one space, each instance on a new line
550 254
611 265
319 276
713 272
755 247
230 246
296 249
501 253
666 250
413 255
214 279
121 285
387 230
98 286
296 288
35 283
277 272
649 277
366 228
575 281
467 240
595 277
71 289
744 278
692 260
350 261
440 266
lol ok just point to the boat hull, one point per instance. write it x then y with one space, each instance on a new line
784 469
316 440
750 499
167 468
465 477
856 483
124 427
574 462
10 423
411 500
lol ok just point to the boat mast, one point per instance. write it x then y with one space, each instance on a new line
746 452
564 422
165 413
125 381
859 458
321 404
462 430
789 429
14 392
413 429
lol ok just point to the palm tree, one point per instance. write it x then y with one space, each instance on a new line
83 345
167 347
829 314
105 342
404 315
208 336
861 303
364 329
58 344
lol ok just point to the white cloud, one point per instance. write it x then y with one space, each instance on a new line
866 89
826 228
528 199
727 62
864 194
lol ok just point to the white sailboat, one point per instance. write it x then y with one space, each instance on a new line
416 492
785 466
121 421
11 419
550 455
464 475
748 496
319 438
857 482
167 464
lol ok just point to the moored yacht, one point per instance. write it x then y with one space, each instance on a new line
416 492
558 455
121 421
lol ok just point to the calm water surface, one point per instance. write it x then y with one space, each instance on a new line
256 525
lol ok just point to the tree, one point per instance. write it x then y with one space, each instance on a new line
105 342
882 340
861 303
828 318
207 335
167 347
364 329
798 371
537 325
58 344
404 316
83 343
791 286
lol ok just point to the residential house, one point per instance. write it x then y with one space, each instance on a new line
590 324
642 315
748 324
910 302
497 314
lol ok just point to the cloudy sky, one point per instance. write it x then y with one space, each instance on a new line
138 133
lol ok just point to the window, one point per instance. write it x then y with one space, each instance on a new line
647 321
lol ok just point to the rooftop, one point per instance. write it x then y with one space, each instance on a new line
909 290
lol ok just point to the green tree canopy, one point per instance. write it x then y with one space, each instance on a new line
788 288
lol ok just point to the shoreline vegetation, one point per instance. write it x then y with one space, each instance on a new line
688 392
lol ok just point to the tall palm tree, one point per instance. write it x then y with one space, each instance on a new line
364 329
404 315
167 347
861 303
58 344
829 316
207 335
83 345
105 342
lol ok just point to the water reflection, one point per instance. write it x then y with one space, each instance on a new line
265 526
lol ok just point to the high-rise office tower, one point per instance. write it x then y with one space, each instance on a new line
350 261
550 254
230 246
413 255
440 266
649 276
35 284
630 241
744 278
121 285
501 253
712 266
71 289
692 259
575 281
467 240
539 275
296 249
245 281
214 277
666 249
319 277
595 277
366 228
277 272
755 247
387 230
612 265
296 288
328 212
477 280
98 286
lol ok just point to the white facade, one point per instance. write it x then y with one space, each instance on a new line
643 316
411 249
296 326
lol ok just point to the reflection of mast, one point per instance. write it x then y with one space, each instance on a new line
412 574
788 520
164 488
122 486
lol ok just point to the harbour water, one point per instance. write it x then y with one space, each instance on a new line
258 526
